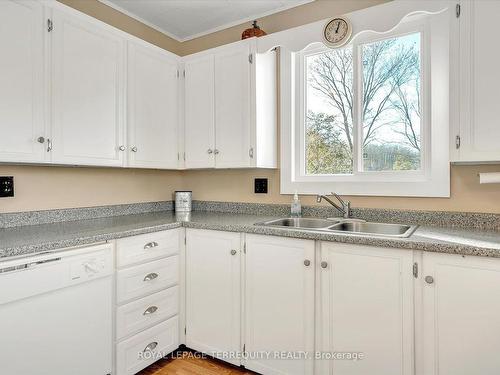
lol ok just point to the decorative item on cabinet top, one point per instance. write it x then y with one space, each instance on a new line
255 30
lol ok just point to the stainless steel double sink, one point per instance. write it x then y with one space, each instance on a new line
339 225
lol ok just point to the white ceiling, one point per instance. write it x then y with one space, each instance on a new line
187 19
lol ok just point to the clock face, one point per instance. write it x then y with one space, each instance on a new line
337 32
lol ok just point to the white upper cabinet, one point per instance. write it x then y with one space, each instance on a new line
230 108
152 118
461 311
279 303
199 131
479 81
22 122
87 91
366 300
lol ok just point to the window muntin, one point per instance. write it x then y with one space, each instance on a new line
381 118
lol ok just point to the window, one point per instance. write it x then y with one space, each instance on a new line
389 108
362 115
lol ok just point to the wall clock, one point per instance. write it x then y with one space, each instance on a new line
337 32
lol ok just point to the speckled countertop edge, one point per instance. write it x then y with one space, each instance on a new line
23 241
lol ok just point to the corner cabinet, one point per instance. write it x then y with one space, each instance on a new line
230 108
152 107
366 306
461 315
22 122
478 136
88 60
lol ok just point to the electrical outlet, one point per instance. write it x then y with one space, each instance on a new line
260 186
6 186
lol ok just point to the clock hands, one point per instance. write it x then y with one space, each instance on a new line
337 29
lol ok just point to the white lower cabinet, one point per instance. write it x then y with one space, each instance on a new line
285 306
279 303
366 307
461 315
148 299
213 292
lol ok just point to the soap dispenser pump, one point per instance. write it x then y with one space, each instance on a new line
296 207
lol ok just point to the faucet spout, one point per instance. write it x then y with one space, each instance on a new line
344 207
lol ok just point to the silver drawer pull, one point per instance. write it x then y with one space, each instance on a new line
150 310
150 347
150 245
150 276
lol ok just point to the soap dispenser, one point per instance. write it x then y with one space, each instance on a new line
296 207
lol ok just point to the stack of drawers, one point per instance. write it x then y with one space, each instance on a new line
147 296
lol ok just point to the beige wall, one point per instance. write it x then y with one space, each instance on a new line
123 22
40 187
231 185
307 13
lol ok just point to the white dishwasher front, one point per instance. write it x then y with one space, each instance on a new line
56 313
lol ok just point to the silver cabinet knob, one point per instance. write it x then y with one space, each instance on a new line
216 152
150 347
324 264
233 252
150 276
40 140
307 262
150 245
121 148
150 310
49 145
429 279
209 151
134 149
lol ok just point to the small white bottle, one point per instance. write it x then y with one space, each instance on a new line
296 207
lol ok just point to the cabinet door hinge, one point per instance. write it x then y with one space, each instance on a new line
458 10
184 156
178 156
50 25
185 240
415 270
250 58
244 248
185 330
244 348
250 152
178 74
184 73
457 142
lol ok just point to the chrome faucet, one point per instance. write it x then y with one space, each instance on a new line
345 206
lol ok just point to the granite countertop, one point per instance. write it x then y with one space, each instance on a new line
33 239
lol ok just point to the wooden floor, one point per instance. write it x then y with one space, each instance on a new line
188 363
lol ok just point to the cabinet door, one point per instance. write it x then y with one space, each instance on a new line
232 106
213 292
87 60
21 79
199 112
279 303
479 79
367 308
461 312
152 108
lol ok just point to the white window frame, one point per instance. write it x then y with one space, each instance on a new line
432 180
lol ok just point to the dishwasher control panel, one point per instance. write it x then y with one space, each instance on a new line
90 267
